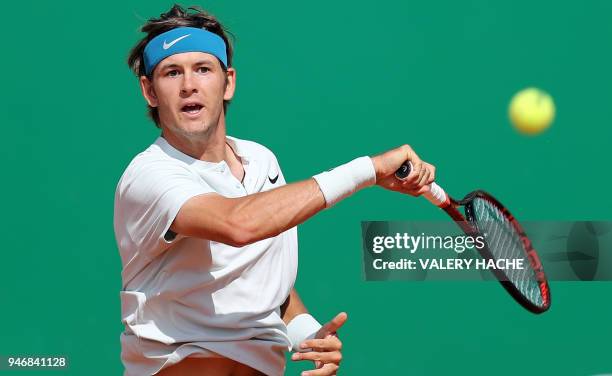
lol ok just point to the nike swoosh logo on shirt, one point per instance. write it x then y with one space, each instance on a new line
273 180
168 45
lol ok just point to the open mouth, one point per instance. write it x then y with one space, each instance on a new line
192 109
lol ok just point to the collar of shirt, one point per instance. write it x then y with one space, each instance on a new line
239 188
175 153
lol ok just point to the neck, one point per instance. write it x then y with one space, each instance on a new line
210 146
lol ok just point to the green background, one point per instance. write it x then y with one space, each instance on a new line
319 83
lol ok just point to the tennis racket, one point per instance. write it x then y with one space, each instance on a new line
503 236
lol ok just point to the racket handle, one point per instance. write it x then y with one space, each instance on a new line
436 194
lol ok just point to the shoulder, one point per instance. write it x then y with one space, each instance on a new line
152 162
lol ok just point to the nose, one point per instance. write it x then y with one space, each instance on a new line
188 84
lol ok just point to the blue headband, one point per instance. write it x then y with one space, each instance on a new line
183 39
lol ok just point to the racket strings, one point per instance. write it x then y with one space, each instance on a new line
505 243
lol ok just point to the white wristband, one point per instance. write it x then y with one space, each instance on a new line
301 328
346 179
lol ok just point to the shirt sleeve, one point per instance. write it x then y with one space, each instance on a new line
275 169
148 198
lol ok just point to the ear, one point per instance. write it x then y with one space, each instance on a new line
230 84
148 92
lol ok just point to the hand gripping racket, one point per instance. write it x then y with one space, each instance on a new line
504 238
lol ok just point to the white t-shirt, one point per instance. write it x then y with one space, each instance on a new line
185 296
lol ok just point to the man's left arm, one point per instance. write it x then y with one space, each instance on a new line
312 341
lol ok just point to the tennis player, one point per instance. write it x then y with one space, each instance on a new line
206 224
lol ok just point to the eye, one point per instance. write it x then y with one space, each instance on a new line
172 73
203 69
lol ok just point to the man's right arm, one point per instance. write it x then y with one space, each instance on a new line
244 220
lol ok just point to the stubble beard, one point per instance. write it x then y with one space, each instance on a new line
202 134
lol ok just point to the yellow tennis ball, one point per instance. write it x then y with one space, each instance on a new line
531 111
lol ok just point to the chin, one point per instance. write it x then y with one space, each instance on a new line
192 128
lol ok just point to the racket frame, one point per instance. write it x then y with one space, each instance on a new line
437 196
469 225
530 253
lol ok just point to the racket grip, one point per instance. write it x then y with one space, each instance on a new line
435 195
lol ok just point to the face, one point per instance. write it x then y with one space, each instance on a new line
188 90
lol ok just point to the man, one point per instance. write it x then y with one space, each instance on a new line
205 222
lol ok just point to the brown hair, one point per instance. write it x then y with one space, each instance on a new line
177 16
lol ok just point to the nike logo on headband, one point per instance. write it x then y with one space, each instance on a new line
168 45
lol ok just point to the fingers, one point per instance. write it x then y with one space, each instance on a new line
421 180
424 176
329 369
432 173
418 180
333 325
428 176
386 164
417 165
417 170
329 343
419 173
327 348
323 357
